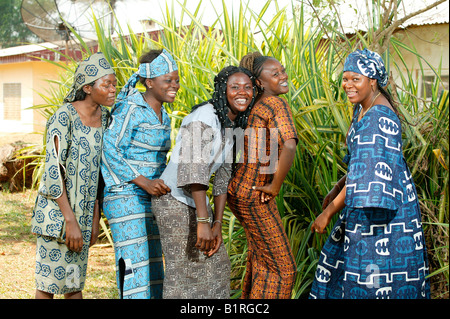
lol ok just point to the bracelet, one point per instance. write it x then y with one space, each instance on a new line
204 220
217 221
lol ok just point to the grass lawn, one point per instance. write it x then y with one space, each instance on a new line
17 254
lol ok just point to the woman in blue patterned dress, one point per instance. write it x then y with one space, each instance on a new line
134 156
376 248
66 214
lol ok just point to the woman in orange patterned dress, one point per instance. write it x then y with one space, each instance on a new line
271 268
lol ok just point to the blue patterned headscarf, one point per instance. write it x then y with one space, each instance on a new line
367 63
162 64
89 70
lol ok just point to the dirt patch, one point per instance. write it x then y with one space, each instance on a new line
17 262
17 254
16 269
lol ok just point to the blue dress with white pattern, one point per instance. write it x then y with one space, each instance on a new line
376 249
136 143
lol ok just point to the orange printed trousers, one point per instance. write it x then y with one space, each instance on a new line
271 268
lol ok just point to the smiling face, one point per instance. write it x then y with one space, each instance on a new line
239 93
358 87
273 78
104 90
164 88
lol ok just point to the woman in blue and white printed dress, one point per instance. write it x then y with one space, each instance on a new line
134 156
66 214
376 248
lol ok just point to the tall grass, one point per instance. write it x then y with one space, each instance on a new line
321 112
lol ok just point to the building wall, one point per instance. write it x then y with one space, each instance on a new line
432 43
32 76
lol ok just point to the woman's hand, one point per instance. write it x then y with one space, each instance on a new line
320 223
205 238
155 187
74 238
268 192
218 240
332 208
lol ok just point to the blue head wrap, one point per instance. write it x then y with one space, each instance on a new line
367 63
162 64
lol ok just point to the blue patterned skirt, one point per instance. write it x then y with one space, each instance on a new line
374 253
137 246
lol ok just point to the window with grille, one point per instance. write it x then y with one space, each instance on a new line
12 101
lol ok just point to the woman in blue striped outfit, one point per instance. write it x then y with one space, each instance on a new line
134 156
